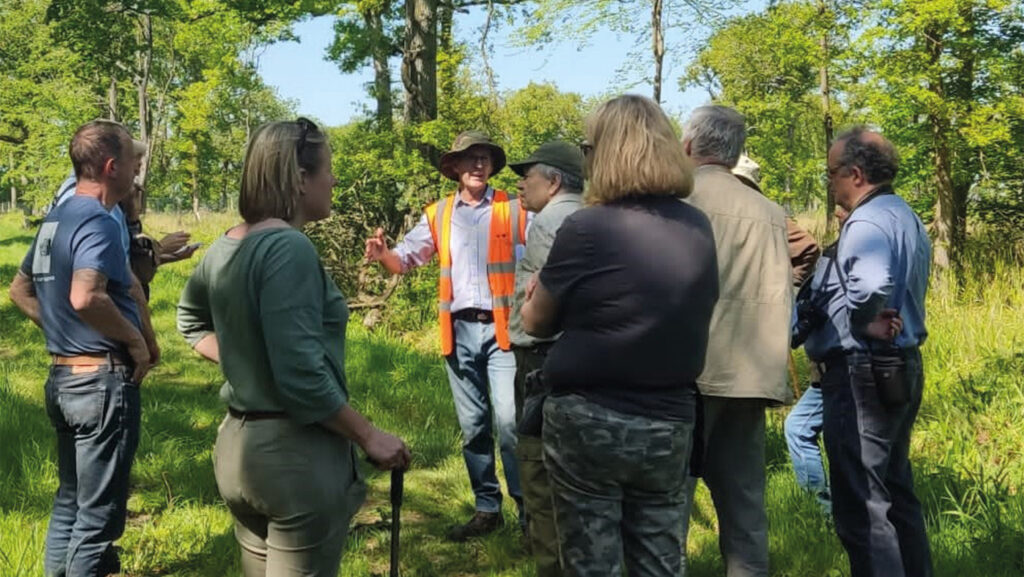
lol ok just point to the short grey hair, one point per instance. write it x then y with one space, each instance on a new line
570 182
716 132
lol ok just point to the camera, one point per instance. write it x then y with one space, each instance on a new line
808 316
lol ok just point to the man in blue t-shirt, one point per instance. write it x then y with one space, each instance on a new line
75 283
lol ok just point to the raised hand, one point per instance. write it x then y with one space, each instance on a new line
376 246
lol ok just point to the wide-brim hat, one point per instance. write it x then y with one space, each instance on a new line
463 142
557 153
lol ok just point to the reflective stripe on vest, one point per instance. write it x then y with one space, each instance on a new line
507 230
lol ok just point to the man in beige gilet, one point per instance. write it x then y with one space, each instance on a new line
745 369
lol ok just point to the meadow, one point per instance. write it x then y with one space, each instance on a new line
967 450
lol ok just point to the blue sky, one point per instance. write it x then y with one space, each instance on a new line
298 71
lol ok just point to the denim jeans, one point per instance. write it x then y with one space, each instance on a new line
877 516
619 484
803 430
482 379
96 412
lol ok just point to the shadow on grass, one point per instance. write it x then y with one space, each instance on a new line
24 239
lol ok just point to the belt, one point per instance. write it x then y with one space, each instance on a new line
541 349
256 415
89 360
474 316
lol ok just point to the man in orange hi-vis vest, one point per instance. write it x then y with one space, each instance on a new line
477 233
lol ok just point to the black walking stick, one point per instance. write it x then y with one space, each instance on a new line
397 482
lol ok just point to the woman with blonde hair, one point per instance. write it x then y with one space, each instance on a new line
631 281
261 304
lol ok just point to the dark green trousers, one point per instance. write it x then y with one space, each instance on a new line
537 497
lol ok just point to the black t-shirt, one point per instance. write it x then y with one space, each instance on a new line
636 282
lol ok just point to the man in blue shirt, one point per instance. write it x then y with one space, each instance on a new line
75 283
873 376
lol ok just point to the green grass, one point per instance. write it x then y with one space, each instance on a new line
968 453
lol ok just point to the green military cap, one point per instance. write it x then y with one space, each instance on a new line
557 153
463 142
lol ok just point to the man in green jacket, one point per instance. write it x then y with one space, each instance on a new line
550 185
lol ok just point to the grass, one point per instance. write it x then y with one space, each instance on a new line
968 453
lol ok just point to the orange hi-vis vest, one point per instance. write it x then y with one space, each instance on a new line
508 229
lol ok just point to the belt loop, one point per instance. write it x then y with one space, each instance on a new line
110 362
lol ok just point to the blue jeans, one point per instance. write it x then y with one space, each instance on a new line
803 429
878 518
482 378
97 415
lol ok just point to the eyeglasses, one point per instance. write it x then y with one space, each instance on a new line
830 171
305 126
586 148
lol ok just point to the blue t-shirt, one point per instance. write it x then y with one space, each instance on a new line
79 234
67 190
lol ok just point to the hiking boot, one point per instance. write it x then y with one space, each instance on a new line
480 525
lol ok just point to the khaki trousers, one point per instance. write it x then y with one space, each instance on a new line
292 490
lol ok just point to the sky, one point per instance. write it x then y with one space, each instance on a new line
298 71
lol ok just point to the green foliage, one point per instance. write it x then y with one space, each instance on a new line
183 70
41 101
766 65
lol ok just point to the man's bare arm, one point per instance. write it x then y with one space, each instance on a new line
90 300
23 295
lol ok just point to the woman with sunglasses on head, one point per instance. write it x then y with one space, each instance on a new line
261 304
631 281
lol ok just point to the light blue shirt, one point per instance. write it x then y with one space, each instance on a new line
470 235
884 257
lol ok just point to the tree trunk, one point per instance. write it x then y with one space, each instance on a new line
14 189
145 58
381 71
112 99
657 34
947 235
419 67
826 110
194 169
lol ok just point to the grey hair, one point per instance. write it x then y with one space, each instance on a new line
570 182
717 133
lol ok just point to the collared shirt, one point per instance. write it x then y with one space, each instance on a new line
470 236
542 236
885 259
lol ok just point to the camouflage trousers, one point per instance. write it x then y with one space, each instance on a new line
619 485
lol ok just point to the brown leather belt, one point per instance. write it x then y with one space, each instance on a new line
474 316
90 360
